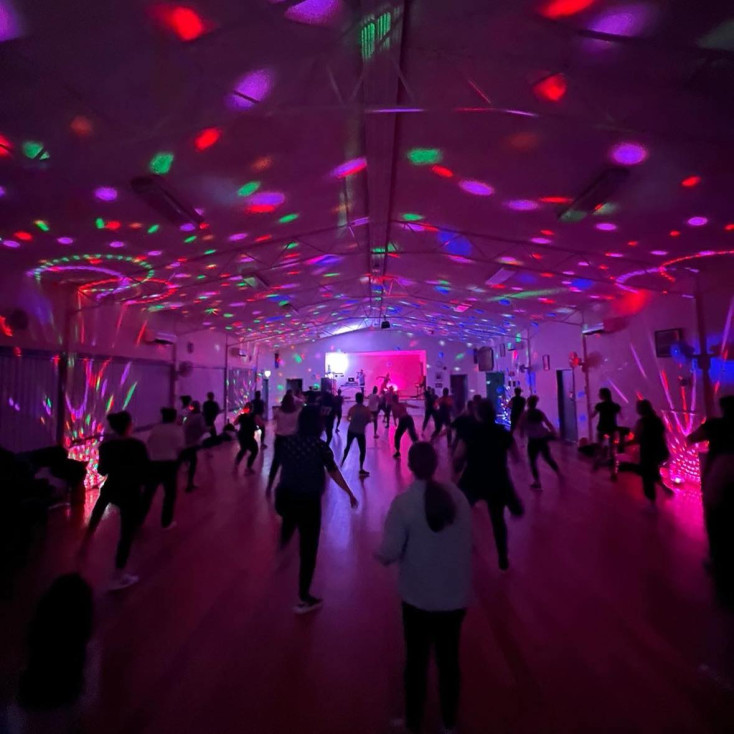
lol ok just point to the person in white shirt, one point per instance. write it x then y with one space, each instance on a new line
428 533
194 430
286 424
165 446
373 403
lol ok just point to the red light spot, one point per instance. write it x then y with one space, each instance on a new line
82 126
260 208
674 233
546 275
184 22
206 138
547 232
6 147
264 238
691 181
555 199
114 224
564 8
203 225
25 236
430 228
552 89
633 243
729 228
442 171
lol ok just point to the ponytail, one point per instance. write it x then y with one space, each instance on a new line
440 506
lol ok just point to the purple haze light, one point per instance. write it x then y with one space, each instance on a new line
12 244
188 227
154 253
251 89
698 221
106 193
315 12
541 240
626 20
237 236
65 240
10 26
628 154
522 205
349 168
659 253
606 226
476 188
267 198
116 244
2 191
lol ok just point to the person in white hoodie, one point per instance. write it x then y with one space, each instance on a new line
428 534
166 443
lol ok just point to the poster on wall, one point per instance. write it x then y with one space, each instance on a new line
665 339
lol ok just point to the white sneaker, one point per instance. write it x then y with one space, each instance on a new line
122 580
310 605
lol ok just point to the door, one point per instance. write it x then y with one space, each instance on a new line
294 384
567 405
459 390
496 390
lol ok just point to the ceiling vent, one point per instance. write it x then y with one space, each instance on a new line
599 192
159 196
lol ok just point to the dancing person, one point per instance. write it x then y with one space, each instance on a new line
185 409
373 403
211 411
516 407
123 460
405 423
428 533
165 443
358 417
194 430
338 407
718 491
327 414
444 410
286 424
58 682
480 460
606 429
534 424
429 402
304 460
246 426
465 421
258 411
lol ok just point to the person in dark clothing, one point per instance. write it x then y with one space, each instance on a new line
540 431
517 407
443 417
211 411
304 460
607 428
429 402
481 461
650 437
246 427
124 461
194 429
338 407
718 493
327 414
465 422
258 411
405 423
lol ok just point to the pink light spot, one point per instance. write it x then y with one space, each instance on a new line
106 193
117 244
65 240
350 168
476 188
315 12
697 221
12 244
251 89
606 226
522 205
628 154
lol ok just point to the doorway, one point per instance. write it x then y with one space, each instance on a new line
567 405
496 390
459 390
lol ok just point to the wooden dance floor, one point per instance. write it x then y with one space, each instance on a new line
606 620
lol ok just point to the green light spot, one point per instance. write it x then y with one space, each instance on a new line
190 239
153 228
249 188
298 358
228 315
41 225
200 277
99 223
288 218
33 149
605 209
424 156
572 215
161 163
210 252
129 396
412 217
291 246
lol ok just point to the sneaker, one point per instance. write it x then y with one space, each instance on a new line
308 605
363 473
396 455
173 525
535 485
122 580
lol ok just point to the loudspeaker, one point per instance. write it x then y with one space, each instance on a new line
485 359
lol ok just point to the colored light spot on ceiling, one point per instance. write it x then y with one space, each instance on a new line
564 8
424 156
251 89
25 236
690 182
35 150
522 205
606 226
540 240
556 199
153 228
603 209
697 221
721 37
65 240
10 23
260 208
6 147
12 244
314 12
184 22
412 217
206 138
268 198
476 188
161 163
288 218
508 260
43 226
628 154
552 88
117 244
442 171
192 238
729 227
674 233
659 253
106 193
237 236
81 126
627 20
249 188
349 168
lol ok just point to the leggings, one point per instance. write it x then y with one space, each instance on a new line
329 427
361 442
338 417
539 446
161 472
191 456
442 631
428 415
303 514
406 423
275 463
247 443
127 502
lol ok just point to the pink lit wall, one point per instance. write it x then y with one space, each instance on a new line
405 369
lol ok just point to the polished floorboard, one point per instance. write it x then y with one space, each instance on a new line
606 620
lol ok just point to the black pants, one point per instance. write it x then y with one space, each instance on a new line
423 630
406 423
190 456
275 463
441 421
650 473
426 417
247 443
539 446
361 442
374 420
128 504
387 410
329 427
165 473
303 514
338 417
